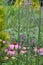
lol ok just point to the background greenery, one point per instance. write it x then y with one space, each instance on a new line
27 18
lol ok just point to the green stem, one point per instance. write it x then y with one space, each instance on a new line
39 25
30 37
18 35
27 32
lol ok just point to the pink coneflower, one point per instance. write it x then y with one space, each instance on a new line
11 47
23 51
41 51
11 53
14 43
16 46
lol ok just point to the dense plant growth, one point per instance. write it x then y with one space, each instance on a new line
21 33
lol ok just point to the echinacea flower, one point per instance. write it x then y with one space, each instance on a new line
41 51
11 53
15 45
11 47
23 51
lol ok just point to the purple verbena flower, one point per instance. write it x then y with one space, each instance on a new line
22 36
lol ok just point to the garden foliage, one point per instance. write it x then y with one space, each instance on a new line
21 33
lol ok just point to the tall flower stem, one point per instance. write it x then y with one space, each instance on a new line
18 34
30 21
39 39
39 26
27 31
